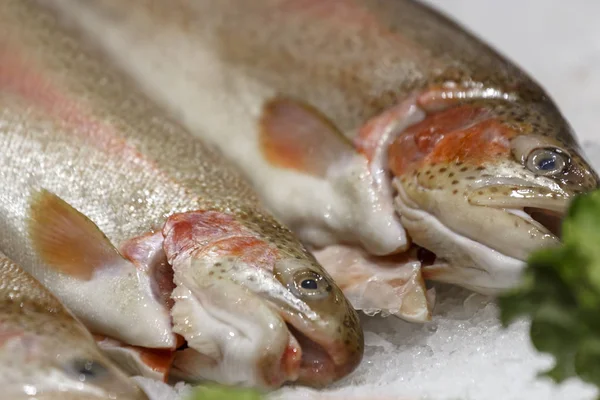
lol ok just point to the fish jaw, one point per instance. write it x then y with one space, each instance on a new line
463 261
261 323
240 338
467 190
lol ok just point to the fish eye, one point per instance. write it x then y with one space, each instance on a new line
86 370
547 161
311 285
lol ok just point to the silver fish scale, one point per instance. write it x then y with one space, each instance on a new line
148 169
75 127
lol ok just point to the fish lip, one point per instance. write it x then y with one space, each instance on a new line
325 365
516 192
324 359
545 212
487 270
470 276
548 219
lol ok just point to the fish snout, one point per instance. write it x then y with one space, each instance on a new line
329 352
347 355
326 362
321 319
233 336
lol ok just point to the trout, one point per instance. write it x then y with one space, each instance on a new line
371 128
45 352
146 234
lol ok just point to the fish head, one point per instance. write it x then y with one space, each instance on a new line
484 186
50 357
254 305
319 316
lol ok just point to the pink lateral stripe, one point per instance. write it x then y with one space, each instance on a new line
19 76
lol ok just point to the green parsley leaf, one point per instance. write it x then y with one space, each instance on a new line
560 292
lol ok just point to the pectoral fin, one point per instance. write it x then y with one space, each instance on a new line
297 136
67 240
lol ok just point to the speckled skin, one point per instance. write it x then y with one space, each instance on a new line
72 125
353 61
42 346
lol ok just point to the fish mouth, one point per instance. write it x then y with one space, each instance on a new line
549 219
316 365
454 257
323 360
539 206
434 267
